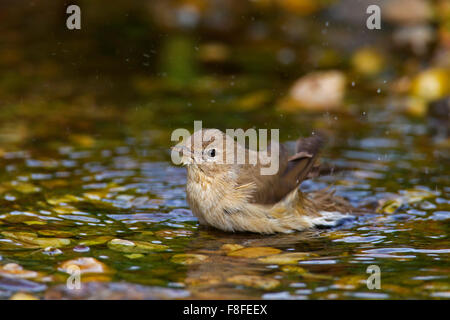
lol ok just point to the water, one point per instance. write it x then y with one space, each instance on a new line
117 182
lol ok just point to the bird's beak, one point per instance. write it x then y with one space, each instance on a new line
186 154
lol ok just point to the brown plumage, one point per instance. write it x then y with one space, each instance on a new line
236 197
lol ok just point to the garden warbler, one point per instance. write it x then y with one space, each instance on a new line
235 196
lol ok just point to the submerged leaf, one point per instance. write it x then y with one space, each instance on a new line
304 273
95 241
63 200
228 247
173 233
13 270
26 188
254 282
84 265
316 91
293 269
55 233
127 246
285 258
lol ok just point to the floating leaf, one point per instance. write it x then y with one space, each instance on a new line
254 282
253 252
188 258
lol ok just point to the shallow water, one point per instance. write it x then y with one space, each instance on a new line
117 181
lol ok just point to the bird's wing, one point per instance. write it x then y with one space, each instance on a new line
269 189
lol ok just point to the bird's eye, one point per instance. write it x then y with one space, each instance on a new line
212 153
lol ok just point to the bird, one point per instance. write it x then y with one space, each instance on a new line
235 197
